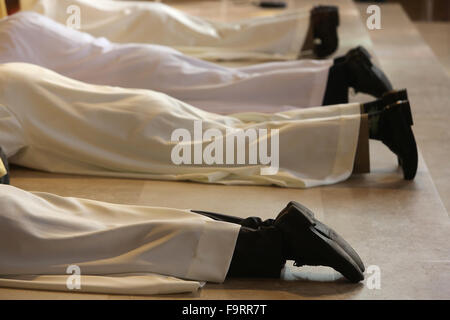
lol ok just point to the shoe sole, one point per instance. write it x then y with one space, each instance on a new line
395 96
410 166
328 249
407 147
329 232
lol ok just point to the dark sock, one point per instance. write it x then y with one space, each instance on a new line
259 247
336 91
258 253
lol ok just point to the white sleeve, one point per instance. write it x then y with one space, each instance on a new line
112 245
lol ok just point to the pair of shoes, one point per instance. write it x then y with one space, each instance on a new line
4 168
395 128
311 242
397 96
396 133
324 22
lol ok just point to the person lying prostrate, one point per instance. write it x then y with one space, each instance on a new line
53 123
129 249
282 36
268 87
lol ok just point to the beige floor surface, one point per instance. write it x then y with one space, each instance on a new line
410 63
437 36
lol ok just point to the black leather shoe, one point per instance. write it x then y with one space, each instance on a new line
325 21
389 98
5 178
395 96
396 133
363 75
356 70
310 242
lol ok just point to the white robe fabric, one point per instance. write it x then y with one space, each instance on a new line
56 124
275 37
119 249
269 87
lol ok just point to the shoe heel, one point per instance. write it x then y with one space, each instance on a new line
327 14
394 96
332 16
406 110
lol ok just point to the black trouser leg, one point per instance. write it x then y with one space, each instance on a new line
258 253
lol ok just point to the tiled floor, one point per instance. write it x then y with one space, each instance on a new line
401 227
437 36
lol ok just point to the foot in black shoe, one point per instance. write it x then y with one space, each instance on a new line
310 242
4 168
356 70
389 98
394 96
395 132
331 233
325 21
363 75
322 37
